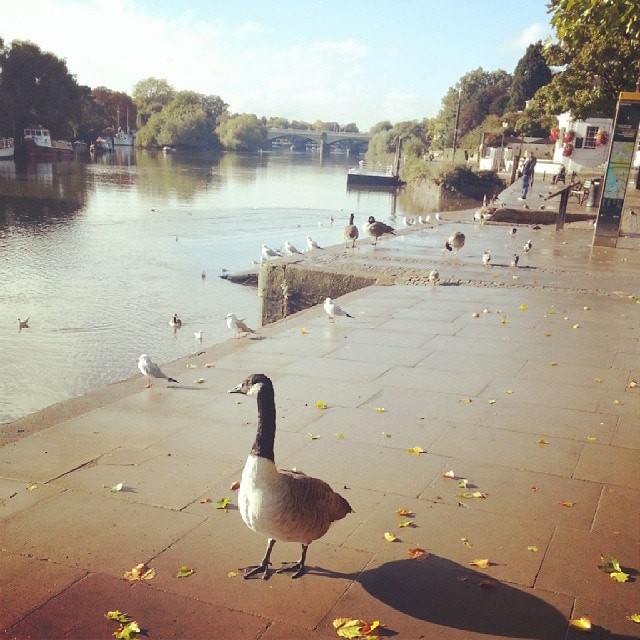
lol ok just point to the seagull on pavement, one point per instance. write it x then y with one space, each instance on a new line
238 326
486 257
269 253
312 244
434 276
150 369
527 246
333 310
290 250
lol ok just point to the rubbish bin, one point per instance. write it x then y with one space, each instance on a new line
594 193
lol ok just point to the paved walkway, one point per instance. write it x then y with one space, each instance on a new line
521 386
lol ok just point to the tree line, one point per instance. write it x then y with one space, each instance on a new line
593 40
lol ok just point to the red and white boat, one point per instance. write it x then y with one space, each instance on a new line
39 146
6 148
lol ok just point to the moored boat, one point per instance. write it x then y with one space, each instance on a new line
39 146
80 147
6 148
102 144
123 138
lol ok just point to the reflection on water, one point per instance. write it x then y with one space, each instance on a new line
100 252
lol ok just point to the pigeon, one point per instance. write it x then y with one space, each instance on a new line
290 250
455 242
486 257
527 246
376 229
175 322
312 244
150 369
333 310
515 259
350 233
238 326
434 276
269 253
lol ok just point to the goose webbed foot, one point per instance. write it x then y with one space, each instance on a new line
263 567
296 567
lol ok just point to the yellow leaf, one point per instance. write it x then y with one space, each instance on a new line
632 385
505 320
541 441
581 623
198 380
475 315
418 554
509 392
117 487
466 400
389 537
232 574
340 436
618 402
304 331
140 572
380 409
33 487
496 275
209 365
523 307
576 326
481 563
492 401
405 513
591 439
597 380
566 504
533 548
479 494
352 628
634 617
313 436
184 572
619 576
321 405
403 524
466 542
222 503
386 435
416 451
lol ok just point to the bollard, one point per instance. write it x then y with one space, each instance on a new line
562 209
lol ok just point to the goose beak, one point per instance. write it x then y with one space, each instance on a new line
237 389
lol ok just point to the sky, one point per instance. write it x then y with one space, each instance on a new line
342 61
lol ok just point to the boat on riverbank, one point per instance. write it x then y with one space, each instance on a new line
124 138
39 146
6 148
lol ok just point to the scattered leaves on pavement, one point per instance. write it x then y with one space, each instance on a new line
140 572
127 631
184 572
405 513
389 537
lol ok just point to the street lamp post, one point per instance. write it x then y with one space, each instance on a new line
504 128
455 131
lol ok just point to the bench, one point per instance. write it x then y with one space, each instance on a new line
581 191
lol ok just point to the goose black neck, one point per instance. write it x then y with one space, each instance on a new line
266 434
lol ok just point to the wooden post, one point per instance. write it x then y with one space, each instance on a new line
562 209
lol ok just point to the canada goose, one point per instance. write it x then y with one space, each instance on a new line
376 229
455 242
269 253
283 505
237 325
333 310
312 244
23 324
350 232
434 276
486 257
290 250
515 259
175 322
150 369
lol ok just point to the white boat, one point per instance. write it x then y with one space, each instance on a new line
6 148
123 138
39 146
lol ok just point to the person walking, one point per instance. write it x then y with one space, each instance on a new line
527 173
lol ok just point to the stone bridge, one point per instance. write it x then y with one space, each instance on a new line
324 139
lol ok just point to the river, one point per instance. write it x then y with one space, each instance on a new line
99 253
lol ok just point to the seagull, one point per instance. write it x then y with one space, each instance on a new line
290 250
312 244
333 310
198 335
376 229
350 232
434 276
175 322
23 324
514 260
527 246
428 218
455 242
269 253
150 369
486 257
331 219
439 217
237 325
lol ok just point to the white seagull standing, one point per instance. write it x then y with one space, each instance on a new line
312 244
486 257
333 310
434 276
269 253
198 335
150 369
238 326
290 250
527 246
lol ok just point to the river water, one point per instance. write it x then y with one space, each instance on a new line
99 253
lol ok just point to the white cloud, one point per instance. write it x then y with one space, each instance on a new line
528 35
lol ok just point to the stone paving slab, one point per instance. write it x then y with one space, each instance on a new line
416 366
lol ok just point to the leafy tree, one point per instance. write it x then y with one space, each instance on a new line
414 134
242 132
277 123
36 87
594 38
531 73
352 127
116 105
384 125
150 96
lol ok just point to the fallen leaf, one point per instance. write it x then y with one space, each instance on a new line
234 486
340 436
496 275
466 496
198 381
405 523
33 487
479 494
591 438
586 308
543 441
581 623
232 574
505 320
449 474
118 616
222 503
618 402
140 572
389 537
475 315
418 554
466 400
597 380
554 364
205 500
632 385
492 401
634 617
533 548
619 576
416 451
313 436
209 365
192 366
304 331
481 563
352 628
576 326
380 409
566 504
523 307
462 483
405 513
509 392
117 487
184 572
321 405
386 435
533 488
127 631
466 542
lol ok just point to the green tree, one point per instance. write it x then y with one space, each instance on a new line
384 125
531 73
116 106
36 87
242 132
150 96
594 38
